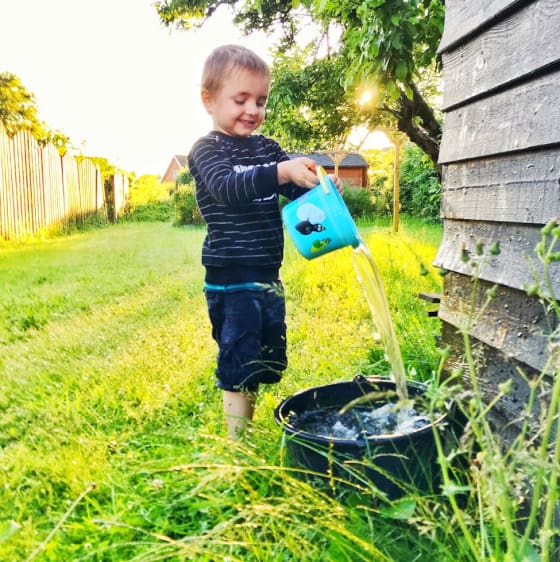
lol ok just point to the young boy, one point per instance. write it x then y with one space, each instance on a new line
238 177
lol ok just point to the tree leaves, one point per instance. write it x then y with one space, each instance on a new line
18 109
309 109
18 112
389 43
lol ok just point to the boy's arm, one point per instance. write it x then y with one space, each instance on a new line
292 178
224 184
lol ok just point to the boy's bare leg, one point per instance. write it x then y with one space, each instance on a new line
239 408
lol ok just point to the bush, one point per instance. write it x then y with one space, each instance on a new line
156 211
147 189
360 202
186 207
149 200
184 178
382 194
420 189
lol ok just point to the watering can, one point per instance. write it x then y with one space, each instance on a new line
319 222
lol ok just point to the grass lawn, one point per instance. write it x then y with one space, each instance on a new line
111 433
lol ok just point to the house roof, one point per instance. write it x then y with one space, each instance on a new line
181 159
352 160
178 161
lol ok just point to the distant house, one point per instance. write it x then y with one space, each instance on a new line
178 162
352 170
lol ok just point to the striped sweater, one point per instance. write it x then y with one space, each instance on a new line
237 192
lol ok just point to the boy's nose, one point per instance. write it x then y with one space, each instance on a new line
251 107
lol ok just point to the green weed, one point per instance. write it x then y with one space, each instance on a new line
503 496
111 428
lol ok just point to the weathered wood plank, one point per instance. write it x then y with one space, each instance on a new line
88 187
463 18
526 116
100 194
21 194
501 174
530 37
522 188
53 185
493 368
4 188
509 340
516 266
510 321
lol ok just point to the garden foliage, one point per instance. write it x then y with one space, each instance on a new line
420 188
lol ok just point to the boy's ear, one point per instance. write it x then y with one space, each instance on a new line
206 100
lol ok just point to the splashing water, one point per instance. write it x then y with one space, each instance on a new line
369 277
359 422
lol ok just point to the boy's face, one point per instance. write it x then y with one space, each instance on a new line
237 108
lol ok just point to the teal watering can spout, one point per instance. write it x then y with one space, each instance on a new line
319 221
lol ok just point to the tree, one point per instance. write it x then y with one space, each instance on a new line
18 112
386 47
391 46
308 110
420 189
18 109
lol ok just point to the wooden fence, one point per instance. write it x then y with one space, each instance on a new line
40 190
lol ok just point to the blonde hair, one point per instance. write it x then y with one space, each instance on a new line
223 60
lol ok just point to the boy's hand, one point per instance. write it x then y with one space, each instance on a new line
300 171
337 183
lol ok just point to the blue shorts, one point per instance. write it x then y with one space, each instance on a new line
250 329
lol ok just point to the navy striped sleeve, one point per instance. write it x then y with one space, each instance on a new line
227 183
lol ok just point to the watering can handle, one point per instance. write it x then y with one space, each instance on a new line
323 179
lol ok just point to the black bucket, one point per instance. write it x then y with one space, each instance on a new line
395 463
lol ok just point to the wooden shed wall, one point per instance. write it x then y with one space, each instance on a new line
500 157
356 177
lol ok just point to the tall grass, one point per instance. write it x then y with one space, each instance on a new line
505 502
111 429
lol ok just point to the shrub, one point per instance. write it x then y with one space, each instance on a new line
147 189
382 195
420 189
155 211
359 201
149 200
184 178
186 207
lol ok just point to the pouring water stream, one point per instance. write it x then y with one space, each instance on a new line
368 275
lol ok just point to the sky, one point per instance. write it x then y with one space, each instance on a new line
112 78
